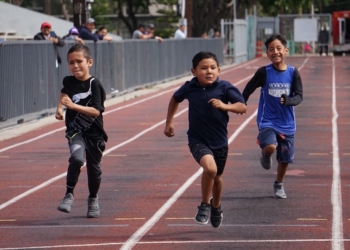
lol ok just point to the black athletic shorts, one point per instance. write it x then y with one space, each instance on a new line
198 150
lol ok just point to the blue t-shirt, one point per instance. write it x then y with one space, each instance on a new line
206 124
271 114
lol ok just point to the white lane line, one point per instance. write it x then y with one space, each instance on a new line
192 242
113 110
243 225
150 223
46 183
31 140
61 226
337 224
132 241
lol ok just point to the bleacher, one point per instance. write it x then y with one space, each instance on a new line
11 35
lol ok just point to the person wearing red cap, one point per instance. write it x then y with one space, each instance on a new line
47 34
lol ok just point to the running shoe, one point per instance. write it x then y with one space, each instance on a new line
202 216
66 203
93 208
265 160
216 215
279 190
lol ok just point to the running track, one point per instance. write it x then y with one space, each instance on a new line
151 186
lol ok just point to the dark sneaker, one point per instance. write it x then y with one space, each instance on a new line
265 160
216 215
93 208
278 189
66 203
202 217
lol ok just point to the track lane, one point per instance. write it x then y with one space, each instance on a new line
123 174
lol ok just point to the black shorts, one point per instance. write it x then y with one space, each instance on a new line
198 150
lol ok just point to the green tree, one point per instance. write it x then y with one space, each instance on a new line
206 15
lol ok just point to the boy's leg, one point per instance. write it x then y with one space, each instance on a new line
216 216
285 155
204 156
94 152
268 143
76 161
208 164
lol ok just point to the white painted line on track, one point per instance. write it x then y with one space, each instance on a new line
15 199
116 109
177 242
336 197
31 140
30 191
62 226
46 183
132 241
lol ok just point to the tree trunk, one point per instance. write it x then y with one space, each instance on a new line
64 9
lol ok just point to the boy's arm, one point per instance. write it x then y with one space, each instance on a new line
172 108
297 94
66 101
257 81
238 107
59 113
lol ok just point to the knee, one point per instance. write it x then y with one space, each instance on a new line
270 149
211 172
77 161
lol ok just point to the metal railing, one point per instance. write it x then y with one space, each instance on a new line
30 80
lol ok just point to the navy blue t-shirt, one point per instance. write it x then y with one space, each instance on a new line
206 124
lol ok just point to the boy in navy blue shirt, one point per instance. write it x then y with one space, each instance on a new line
281 90
209 99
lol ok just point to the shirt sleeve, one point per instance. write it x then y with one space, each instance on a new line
179 94
258 80
297 97
233 95
64 90
98 95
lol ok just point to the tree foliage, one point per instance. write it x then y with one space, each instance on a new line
206 15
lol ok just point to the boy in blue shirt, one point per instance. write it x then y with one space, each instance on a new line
209 99
281 90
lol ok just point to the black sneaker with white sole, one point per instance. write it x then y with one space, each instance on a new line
216 215
202 216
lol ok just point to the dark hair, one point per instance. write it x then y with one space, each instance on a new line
203 55
141 25
279 37
80 48
102 28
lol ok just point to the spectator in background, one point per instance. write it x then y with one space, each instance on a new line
102 33
73 35
47 34
323 39
150 30
180 32
204 35
217 33
86 31
141 33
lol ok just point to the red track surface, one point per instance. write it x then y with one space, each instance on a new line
141 175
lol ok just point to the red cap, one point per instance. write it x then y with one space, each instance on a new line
45 24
